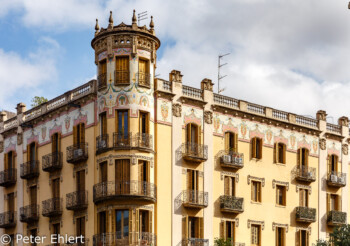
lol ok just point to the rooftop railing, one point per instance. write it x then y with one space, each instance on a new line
192 92
333 128
226 101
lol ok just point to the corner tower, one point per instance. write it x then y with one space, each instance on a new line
125 189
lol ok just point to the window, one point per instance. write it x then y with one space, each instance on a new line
228 230
80 179
281 195
303 238
144 76
80 229
280 236
56 143
231 142
192 180
303 198
122 70
333 202
55 183
33 233
303 157
256 148
11 202
102 222
33 195
103 123
56 231
144 171
122 176
332 164
145 218
193 139
192 227
79 134
256 235
102 69
9 161
122 124
256 191
144 122
103 172
229 186
122 223
280 153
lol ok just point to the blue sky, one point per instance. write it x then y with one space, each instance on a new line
290 55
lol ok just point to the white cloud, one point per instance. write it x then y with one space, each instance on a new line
25 75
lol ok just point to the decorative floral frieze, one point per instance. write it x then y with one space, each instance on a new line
274 182
250 178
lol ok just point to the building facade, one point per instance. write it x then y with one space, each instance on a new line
130 159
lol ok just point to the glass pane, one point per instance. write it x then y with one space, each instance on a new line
126 223
126 123
118 217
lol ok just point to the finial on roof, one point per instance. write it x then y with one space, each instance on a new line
97 27
134 19
110 19
151 25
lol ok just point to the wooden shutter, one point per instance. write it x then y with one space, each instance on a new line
75 135
33 195
328 202
306 157
59 136
137 223
150 220
223 229
227 141
142 66
235 146
199 134
200 227
113 219
147 122
11 202
54 143
131 216
253 191
6 159
275 153
104 123
189 179
227 185
103 167
118 170
185 227
259 191
82 133
141 170
284 153
299 159
260 148
188 131
253 144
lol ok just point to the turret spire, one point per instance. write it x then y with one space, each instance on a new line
110 20
97 27
151 24
134 19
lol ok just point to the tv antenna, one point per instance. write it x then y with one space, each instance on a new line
219 68
141 16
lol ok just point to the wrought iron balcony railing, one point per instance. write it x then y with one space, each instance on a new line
335 218
194 152
232 159
124 190
102 81
52 162
102 143
30 169
336 179
121 77
52 207
125 239
29 213
8 177
305 214
194 199
8 219
303 173
195 242
77 200
231 204
142 141
77 153
144 79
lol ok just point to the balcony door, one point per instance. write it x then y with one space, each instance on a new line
193 138
303 156
122 70
144 177
122 176
332 164
122 225
192 228
56 230
103 123
80 227
122 127
103 172
303 198
80 180
55 188
102 222
144 129
143 72
333 202
33 195
55 140
231 142
229 186
79 134
145 224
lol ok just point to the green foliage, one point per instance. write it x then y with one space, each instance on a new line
339 237
322 242
223 242
36 101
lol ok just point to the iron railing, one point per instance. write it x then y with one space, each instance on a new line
30 169
125 239
144 79
8 177
303 173
102 81
29 213
127 189
52 162
194 151
122 140
77 200
129 140
336 179
232 159
121 77
52 207
336 218
195 242
102 143
305 214
195 198
77 153
8 219
143 140
231 204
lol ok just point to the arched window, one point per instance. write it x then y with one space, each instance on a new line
280 153
333 164
231 142
303 157
256 148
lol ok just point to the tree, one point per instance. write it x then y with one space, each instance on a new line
36 101
222 242
339 237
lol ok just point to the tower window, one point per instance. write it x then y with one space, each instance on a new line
102 74
121 75
144 75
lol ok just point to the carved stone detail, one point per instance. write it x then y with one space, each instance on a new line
19 138
321 115
274 182
177 109
256 222
306 187
262 180
1 146
345 149
343 121
285 226
323 144
207 84
208 117
308 229
236 175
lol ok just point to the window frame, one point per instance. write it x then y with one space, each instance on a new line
255 239
256 191
256 144
281 189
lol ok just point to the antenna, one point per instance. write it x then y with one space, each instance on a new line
141 16
219 67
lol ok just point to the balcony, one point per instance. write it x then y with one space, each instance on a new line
30 169
125 238
52 162
102 81
52 207
232 160
231 204
29 214
336 218
121 77
336 179
77 153
124 190
305 214
144 79
194 152
195 242
305 174
77 200
194 199
8 177
140 141
8 219
102 143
